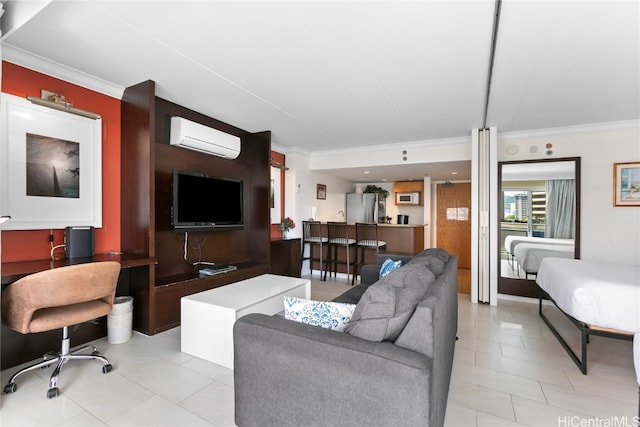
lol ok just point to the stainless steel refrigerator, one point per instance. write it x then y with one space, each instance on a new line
365 207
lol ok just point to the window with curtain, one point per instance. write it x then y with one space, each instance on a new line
561 214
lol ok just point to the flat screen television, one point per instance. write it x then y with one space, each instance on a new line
205 203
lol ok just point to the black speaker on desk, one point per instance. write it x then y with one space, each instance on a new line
79 242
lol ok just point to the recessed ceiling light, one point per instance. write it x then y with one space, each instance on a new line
384 179
367 172
454 173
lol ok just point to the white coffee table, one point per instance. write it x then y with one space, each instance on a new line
207 317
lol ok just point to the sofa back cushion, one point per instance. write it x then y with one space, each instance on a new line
437 312
387 305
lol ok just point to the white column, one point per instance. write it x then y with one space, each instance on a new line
484 280
427 212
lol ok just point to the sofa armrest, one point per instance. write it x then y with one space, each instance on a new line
370 273
382 256
288 373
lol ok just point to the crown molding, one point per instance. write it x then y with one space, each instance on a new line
570 130
37 63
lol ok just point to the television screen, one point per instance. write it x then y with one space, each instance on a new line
202 202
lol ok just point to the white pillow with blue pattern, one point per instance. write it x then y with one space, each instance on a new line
326 314
388 266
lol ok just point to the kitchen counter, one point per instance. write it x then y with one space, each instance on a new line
402 225
401 239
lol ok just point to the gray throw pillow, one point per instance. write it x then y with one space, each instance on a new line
388 304
436 265
433 258
436 252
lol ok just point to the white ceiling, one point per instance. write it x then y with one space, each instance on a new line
328 75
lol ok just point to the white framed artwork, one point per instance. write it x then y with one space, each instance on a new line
50 167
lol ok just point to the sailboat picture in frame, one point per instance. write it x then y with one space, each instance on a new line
626 182
51 167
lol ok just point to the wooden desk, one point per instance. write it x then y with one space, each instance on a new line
18 348
12 271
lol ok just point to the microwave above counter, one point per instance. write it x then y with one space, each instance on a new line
408 198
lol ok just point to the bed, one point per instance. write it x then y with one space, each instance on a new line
510 242
529 255
600 299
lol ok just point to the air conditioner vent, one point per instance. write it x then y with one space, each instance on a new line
197 137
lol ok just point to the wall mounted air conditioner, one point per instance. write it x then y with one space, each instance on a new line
194 136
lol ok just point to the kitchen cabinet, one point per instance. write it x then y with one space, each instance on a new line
409 187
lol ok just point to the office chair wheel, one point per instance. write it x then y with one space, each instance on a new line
107 368
53 392
10 388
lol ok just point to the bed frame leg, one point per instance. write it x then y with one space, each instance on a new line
582 364
585 341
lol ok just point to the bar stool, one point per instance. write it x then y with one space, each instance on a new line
366 238
312 235
338 235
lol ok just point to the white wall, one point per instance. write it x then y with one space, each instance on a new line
300 193
607 233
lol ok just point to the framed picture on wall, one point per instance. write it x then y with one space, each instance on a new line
275 199
626 184
51 162
321 192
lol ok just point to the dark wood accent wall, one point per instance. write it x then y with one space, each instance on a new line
137 159
286 257
147 165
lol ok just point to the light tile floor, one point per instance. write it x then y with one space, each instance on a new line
508 370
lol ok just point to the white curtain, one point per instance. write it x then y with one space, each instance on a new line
561 213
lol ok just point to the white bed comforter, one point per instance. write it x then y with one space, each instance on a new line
598 294
530 255
510 242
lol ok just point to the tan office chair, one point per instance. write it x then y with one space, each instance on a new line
338 235
366 238
59 298
312 236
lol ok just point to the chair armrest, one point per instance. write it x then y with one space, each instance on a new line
288 373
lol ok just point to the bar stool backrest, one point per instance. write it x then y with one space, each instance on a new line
367 235
338 233
312 232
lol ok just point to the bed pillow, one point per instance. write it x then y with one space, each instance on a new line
388 266
326 314
388 304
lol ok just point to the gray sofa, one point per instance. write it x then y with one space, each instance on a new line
391 366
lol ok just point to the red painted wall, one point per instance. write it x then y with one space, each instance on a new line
279 158
34 244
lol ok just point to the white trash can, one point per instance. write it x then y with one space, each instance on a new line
120 320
